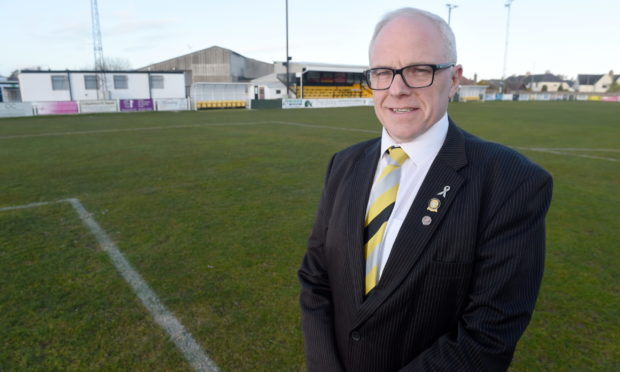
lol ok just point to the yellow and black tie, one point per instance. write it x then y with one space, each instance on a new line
381 203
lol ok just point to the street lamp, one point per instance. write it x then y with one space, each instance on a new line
450 7
507 5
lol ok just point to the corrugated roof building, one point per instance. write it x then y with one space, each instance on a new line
215 65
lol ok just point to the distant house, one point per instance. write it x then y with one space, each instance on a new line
596 83
514 83
546 82
493 85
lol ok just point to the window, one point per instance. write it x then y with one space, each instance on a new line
278 91
60 82
313 77
340 77
157 82
90 82
327 77
120 81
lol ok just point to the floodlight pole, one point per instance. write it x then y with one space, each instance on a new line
100 65
287 57
507 5
450 7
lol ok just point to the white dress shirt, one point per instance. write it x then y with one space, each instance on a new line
421 151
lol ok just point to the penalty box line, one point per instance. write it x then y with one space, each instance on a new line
184 341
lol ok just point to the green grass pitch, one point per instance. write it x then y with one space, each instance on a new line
213 209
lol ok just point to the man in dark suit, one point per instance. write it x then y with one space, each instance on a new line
428 246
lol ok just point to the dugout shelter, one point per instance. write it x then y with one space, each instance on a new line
323 80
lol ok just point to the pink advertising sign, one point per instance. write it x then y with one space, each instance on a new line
54 108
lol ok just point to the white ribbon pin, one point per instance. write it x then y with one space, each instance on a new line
445 191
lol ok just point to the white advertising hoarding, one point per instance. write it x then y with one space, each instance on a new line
11 109
172 104
98 106
309 103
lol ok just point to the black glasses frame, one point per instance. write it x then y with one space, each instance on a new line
399 71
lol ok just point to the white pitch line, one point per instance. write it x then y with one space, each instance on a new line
326 127
556 151
179 335
576 149
99 131
549 151
31 205
184 341
117 130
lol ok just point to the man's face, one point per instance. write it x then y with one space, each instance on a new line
407 112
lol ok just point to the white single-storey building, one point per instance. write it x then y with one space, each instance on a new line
269 87
67 85
471 92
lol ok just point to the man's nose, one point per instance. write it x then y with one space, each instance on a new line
398 86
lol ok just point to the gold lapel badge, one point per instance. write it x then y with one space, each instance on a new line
433 205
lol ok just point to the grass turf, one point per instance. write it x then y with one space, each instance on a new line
213 209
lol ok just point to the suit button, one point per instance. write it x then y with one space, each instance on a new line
355 336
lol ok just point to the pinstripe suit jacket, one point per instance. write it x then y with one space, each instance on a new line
455 295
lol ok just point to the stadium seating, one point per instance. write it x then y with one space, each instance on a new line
351 91
204 105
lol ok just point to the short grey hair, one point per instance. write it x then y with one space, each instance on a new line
444 29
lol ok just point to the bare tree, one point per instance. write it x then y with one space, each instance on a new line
117 63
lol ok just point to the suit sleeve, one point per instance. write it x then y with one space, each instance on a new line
507 277
316 296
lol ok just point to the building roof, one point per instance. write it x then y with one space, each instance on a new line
588 79
214 50
99 72
330 67
516 82
544 78
215 64
271 78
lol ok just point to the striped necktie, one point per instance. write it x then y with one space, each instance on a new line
381 203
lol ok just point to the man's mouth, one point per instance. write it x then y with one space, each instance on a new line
404 109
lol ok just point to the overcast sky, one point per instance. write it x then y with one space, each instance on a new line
562 36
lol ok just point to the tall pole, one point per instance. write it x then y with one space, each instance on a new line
450 7
98 50
507 5
287 59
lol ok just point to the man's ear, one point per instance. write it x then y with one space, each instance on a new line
455 79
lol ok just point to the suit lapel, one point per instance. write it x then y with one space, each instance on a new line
363 172
415 233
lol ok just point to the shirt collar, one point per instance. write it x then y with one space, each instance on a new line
424 147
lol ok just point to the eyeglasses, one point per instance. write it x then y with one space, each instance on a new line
414 76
